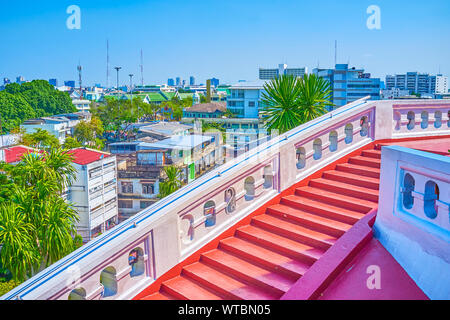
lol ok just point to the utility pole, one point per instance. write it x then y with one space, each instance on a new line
131 85
117 69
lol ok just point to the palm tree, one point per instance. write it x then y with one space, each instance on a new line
19 253
47 221
290 101
172 183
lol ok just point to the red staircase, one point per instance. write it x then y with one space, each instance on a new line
266 257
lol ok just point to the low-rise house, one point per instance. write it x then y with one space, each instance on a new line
82 104
206 110
60 125
163 130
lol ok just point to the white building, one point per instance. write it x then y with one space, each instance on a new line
441 84
81 104
268 74
60 125
94 191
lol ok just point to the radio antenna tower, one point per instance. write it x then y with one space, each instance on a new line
142 69
335 52
79 79
107 63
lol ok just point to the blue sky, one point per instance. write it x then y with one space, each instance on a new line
227 39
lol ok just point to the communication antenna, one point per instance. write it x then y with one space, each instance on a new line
335 52
107 63
79 79
142 69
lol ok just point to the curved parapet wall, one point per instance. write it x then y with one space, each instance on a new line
129 257
413 220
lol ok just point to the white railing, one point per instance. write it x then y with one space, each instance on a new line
178 225
413 220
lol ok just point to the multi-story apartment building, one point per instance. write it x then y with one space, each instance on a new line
244 98
268 74
349 84
94 191
141 164
439 84
421 83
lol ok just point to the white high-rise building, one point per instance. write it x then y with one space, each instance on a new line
441 84
268 74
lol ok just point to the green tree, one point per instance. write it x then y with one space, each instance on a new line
89 132
13 110
41 139
37 225
71 143
30 100
290 101
172 181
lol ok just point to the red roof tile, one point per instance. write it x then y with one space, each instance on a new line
14 154
85 156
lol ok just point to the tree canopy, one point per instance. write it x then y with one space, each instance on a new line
38 98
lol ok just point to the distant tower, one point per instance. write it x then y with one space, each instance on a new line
335 53
142 69
79 80
107 63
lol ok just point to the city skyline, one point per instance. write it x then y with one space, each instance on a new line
239 38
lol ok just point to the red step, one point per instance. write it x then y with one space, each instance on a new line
294 231
185 289
270 259
278 243
227 285
336 199
323 209
345 188
318 223
248 271
265 258
365 161
373 153
360 170
353 179
158 296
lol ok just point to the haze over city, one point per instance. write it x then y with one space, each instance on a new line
228 40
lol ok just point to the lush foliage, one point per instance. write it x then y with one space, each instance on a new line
31 100
7 286
290 101
37 226
40 139
89 133
172 183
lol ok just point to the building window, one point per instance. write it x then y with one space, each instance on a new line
147 188
127 187
251 103
126 204
145 204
